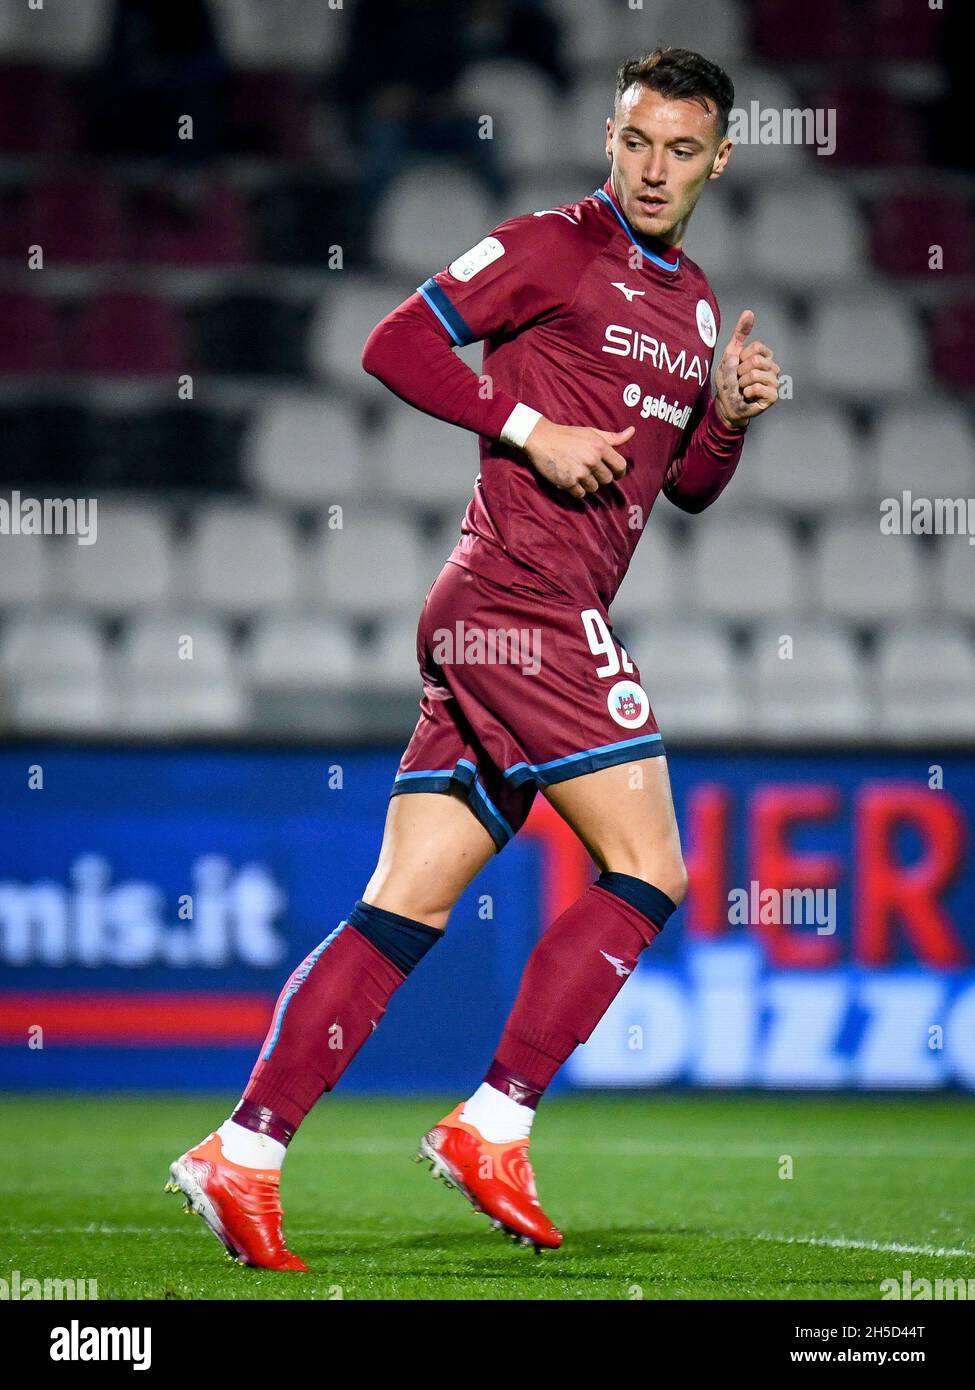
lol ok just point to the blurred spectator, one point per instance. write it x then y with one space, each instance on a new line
163 62
397 85
518 29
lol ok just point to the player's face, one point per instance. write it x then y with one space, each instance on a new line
663 153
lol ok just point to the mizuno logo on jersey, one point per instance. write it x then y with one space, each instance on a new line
624 289
621 969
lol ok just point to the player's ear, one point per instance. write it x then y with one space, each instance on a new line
609 137
720 160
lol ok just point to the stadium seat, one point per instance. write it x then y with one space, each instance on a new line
714 238
655 580
691 674
411 232
77 219
926 682
307 450
270 115
788 33
30 340
760 89
301 34
952 345
305 220
743 567
43 645
522 103
425 461
903 32
925 449
905 226
805 235
213 230
126 334
25 568
372 566
390 660
584 127
861 575
812 686
37 114
866 344
68 35
345 317
716 27
242 560
955 565
289 650
548 190
165 687
44 443
803 458
252 334
128 567
874 128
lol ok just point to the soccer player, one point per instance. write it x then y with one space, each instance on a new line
595 397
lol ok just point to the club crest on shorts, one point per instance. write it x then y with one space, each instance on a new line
706 325
629 704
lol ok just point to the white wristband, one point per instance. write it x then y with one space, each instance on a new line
519 425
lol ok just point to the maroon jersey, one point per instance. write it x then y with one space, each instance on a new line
588 326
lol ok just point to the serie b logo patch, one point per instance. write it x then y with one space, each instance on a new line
628 704
706 325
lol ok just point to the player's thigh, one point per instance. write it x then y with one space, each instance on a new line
433 846
625 818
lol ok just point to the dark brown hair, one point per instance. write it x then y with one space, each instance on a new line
680 73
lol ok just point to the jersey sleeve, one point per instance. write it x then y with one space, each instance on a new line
520 274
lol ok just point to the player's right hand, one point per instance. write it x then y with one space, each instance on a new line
577 459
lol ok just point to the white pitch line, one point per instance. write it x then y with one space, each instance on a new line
882 1247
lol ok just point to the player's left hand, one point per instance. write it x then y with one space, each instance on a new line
747 380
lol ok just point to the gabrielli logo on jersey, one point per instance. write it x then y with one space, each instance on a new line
642 347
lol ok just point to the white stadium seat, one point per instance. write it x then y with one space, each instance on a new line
743 567
66 34
130 564
864 576
928 450
866 344
307 450
25 565
804 235
51 674
807 681
302 34
760 90
164 686
803 458
714 238
956 575
426 461
926 677
372 566
654 581
414 235
522 104
242 559
345 317
288 650
391 660
690 672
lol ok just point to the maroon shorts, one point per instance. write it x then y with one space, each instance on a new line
519 691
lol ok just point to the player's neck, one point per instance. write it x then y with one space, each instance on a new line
666 250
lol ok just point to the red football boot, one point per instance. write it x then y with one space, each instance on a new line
495 1178
242 1206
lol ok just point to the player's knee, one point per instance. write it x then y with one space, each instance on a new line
665 871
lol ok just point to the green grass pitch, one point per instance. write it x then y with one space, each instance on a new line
660 1196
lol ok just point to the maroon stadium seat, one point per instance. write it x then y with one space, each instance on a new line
903 31
786 32
75 218
122 333
37 115
212 231
953 344
270 115
29 340
872 126
906 225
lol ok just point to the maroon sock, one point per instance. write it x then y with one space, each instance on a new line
572 976
329 1007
